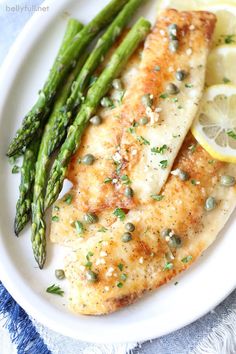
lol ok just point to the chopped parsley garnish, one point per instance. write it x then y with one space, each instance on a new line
123 277
142 140
226 81
211 162
125 180
180 107
89 254
229 39
118 167
175 99
119 213
188 85
56 207
159 150
15 169
168 266
186 259
89 265
131 130
192 148
163 95
194 182
79 227
176 283
68 199
120 266
119 285
55 218
157 197
107 180
56 290
102 229
164 164
231 134
176 136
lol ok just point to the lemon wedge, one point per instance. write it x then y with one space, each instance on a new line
189 5
225 31
221 65
215 124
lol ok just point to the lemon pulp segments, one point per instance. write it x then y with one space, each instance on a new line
215 125
221 65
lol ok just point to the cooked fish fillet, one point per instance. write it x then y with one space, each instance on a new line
127 270
131 147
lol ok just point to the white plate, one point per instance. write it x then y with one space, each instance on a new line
200 289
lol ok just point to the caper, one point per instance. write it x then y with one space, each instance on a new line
175 241
147 100
172 89
143 121
180 75
210 203
165 232
172 30
117 84
88 159
173 45
106 102
129 227
95 120
129 192
227 181
90 218
184 176
91 276
126 237
59 274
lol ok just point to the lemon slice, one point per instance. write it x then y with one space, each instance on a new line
221 65
189 5
225 31
215 124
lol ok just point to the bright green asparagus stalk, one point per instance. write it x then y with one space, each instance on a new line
38 225
94 96
79 86
23 207
62 64
56 127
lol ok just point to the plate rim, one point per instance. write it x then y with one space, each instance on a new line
8 72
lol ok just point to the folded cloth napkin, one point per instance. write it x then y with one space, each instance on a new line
215 333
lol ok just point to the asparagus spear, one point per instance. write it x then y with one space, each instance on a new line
62 64
23 207
79 86
94 96
38 225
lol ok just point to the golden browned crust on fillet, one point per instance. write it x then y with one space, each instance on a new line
114 138
126 271
145 258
